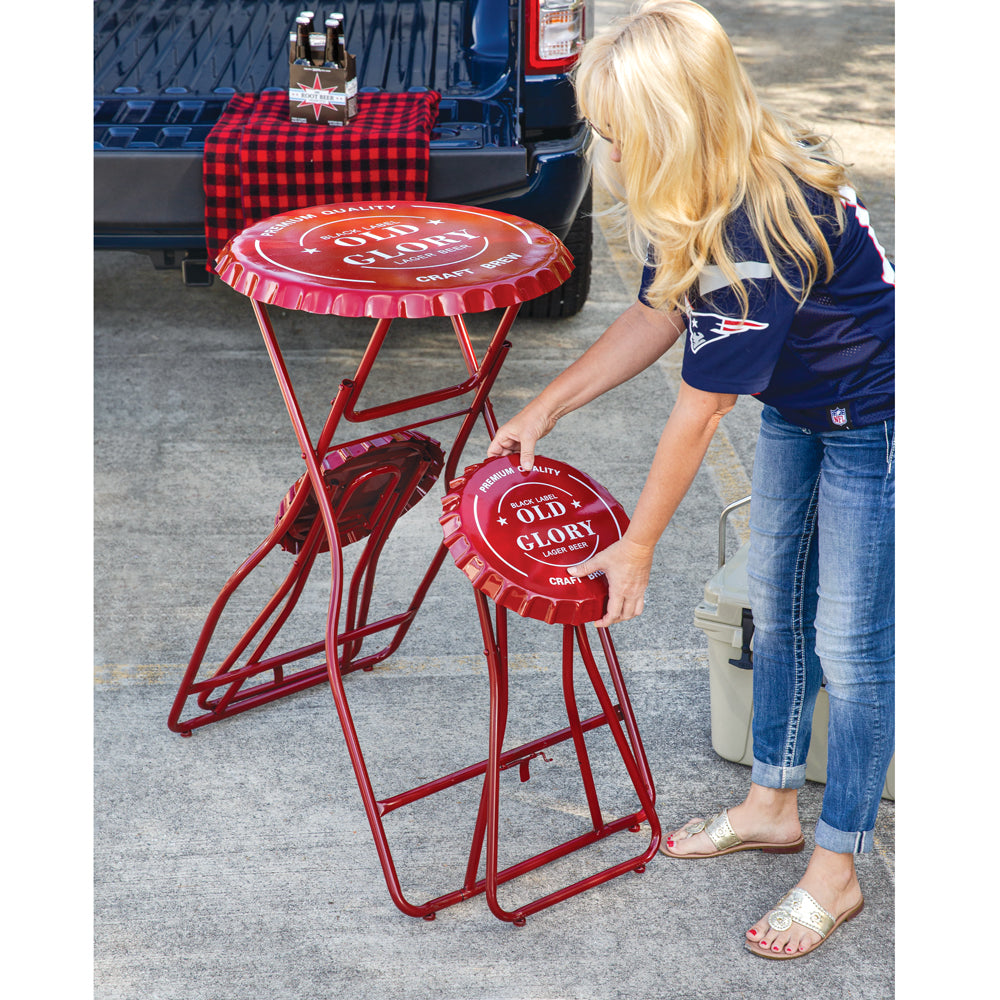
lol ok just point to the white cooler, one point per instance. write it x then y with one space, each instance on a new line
722 616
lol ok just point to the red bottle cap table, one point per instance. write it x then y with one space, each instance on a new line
393 260
515 534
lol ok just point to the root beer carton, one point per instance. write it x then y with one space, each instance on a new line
322 74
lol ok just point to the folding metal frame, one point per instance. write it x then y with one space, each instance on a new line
355 492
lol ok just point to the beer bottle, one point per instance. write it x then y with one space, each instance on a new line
341 45
333 50
292 39
317 48
302 54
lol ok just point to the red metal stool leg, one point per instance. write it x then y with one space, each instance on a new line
632 756
515 535
238 696
234 688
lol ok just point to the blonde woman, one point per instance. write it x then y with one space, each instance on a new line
758 251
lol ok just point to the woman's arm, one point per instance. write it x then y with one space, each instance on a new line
629 345
682 447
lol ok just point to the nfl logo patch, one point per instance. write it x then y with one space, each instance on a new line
839 416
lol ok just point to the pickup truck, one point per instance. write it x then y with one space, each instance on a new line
507 137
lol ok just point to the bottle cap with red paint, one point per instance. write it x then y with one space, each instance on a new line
515 534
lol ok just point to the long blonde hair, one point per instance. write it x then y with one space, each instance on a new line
665 84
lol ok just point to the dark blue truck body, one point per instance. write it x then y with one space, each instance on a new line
507 135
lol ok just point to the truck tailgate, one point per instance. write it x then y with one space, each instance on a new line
164 71
202 45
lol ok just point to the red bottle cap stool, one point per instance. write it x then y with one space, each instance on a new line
360 477
515 534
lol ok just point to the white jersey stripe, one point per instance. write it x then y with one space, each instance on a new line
712 278
850 197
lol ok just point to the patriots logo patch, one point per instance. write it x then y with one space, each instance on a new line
708 328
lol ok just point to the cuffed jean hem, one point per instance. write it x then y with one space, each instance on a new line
841 842
772 776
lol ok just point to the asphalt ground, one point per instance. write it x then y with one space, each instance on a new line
237 863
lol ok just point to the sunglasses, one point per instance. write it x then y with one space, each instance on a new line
599 133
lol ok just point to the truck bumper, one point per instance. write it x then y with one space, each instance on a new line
557 183
154 200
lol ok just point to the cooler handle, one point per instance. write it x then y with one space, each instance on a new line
745 662
726 511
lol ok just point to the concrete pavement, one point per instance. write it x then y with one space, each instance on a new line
237 864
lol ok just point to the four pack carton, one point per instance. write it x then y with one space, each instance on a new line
322 75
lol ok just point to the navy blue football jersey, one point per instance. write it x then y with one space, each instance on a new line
828 363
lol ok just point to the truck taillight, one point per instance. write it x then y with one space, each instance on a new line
554 35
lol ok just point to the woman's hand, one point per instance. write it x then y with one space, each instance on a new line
521 433
628 346
627 565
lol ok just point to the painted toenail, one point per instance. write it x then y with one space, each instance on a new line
753 931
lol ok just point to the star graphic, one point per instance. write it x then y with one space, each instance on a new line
311 250
434 222
314 96
502 521
576 503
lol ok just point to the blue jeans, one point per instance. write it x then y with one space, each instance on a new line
821 578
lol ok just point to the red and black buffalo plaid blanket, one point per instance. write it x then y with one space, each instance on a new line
258 164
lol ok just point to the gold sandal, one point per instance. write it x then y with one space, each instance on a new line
798 907
722 835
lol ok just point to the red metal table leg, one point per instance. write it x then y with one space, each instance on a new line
234 688
223 695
